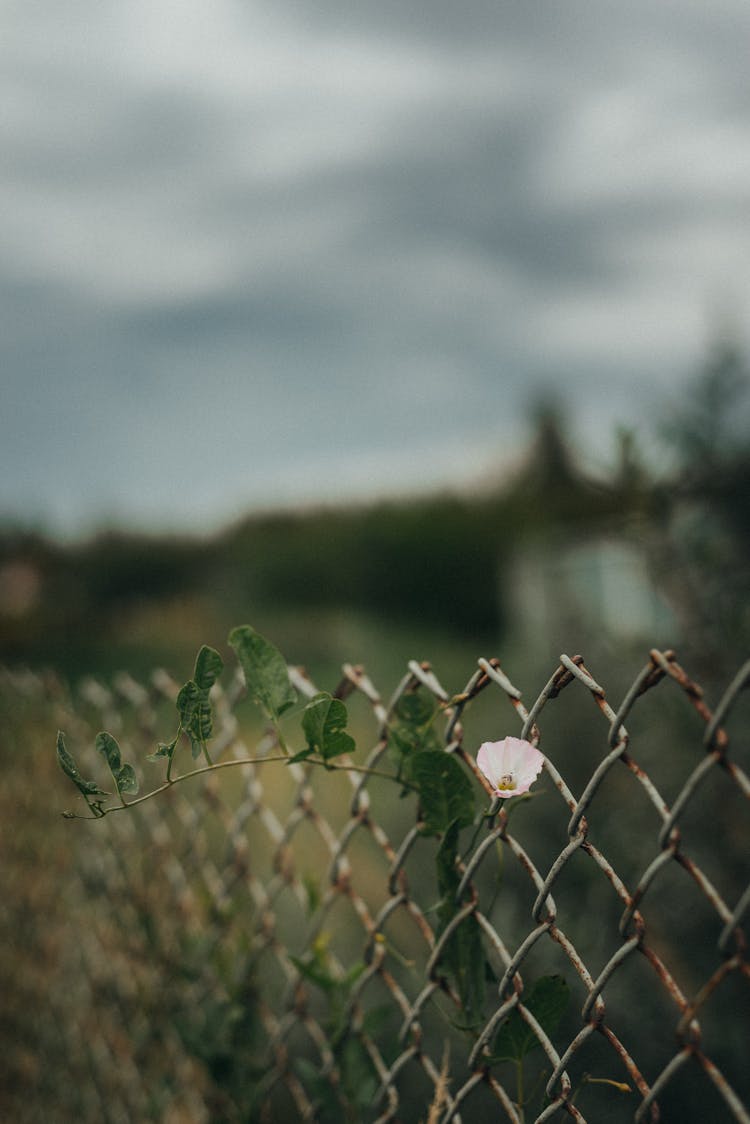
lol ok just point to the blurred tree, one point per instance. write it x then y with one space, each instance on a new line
703 545
552 494
709 430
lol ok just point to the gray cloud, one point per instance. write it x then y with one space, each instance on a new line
320 249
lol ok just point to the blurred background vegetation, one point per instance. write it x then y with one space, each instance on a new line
651 548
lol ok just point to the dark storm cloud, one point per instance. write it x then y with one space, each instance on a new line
324 246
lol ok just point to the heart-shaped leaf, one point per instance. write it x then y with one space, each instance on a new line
208 667
123 775
324 722
193 703
445 791
265 670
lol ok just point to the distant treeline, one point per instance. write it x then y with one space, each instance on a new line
440 560
436 561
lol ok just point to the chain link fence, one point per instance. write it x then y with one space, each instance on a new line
264 943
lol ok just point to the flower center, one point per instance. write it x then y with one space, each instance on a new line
506 782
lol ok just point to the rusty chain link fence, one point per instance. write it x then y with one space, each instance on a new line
263 943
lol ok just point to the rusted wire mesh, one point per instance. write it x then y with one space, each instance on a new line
190 984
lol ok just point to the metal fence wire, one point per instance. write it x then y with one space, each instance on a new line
265 939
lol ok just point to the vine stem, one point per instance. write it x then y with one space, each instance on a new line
172 781
370 772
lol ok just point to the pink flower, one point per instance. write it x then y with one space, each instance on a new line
511 766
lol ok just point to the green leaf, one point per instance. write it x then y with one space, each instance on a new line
195 712
323 722
123 775
208 667
69 767
126 780
415 710
109 749
445 791
188 698
547 1000
411 727
265 670
463 956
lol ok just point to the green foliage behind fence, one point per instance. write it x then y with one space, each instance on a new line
349 926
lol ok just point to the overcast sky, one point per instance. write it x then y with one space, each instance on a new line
269 252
